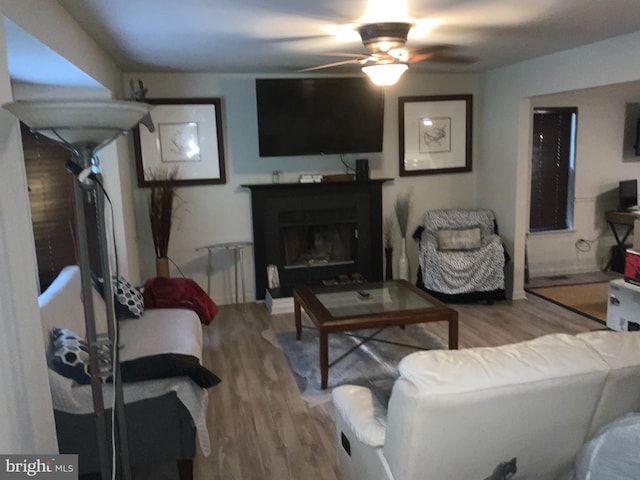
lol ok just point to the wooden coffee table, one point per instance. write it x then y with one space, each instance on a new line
368 305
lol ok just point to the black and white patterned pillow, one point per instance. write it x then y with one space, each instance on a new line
68 355
129 302
128 297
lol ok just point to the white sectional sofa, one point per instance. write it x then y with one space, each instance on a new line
460 414
164 414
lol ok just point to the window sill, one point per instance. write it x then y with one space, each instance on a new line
552 232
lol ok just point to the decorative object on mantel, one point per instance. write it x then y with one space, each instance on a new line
402 207
339 177
161 197
310 179
387 235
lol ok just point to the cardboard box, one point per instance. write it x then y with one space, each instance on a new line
623 309
632 267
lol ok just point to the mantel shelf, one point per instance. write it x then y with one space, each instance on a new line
313 184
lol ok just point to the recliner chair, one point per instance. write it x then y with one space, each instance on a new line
461 255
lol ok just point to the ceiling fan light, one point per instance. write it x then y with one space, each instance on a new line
385 74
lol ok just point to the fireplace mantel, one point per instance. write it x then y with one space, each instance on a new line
275 204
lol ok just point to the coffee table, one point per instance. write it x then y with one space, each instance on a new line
361 306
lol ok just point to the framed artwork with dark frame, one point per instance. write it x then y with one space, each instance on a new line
435 134
188 137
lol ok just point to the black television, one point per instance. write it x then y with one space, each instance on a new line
627 195
312 116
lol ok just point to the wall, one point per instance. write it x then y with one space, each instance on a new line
602 160
505 126
221 213
115 158
26 423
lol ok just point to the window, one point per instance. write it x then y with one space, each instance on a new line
553 169
51 203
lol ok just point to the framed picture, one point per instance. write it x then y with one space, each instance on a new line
435 134
187 137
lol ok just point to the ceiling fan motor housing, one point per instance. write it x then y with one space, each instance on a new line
393 34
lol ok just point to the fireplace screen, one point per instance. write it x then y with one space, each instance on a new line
319 245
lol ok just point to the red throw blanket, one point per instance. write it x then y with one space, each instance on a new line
179 293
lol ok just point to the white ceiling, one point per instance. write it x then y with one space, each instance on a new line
32 62
284 36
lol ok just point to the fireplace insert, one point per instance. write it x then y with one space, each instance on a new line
317 233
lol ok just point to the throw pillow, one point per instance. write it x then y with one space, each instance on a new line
459 239
68 355
167 365
129 302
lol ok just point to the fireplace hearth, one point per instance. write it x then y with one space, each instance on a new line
317 233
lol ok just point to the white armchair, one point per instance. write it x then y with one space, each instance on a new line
360 416
485 413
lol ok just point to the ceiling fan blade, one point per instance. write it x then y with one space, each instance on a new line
361 56
437 53
335 64
452 59
299 38
424 53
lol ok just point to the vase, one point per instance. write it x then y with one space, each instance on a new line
403 262
388 266
162 267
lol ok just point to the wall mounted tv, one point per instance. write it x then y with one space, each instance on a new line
312 116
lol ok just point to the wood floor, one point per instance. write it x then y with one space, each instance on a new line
261 429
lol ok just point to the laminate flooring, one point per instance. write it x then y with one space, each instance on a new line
572 279
259 426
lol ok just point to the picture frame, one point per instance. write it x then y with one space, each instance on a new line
187 136
435 134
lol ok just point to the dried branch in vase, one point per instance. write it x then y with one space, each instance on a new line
161 197
387 231
402 208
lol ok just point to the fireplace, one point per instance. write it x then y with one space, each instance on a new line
318 243
317 233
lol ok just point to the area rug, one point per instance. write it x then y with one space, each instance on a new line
374 364
588 299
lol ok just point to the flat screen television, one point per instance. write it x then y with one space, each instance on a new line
627 195
312 116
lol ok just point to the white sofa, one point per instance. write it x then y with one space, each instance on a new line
458 414
164 415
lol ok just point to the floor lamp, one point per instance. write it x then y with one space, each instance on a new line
84 127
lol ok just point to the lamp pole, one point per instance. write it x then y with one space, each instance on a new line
84 127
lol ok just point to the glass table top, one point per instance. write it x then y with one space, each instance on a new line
371 298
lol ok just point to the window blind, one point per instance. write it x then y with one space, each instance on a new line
51 203
550 168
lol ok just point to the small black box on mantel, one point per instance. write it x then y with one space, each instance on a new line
362 170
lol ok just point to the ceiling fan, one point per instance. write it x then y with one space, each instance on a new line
388 59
